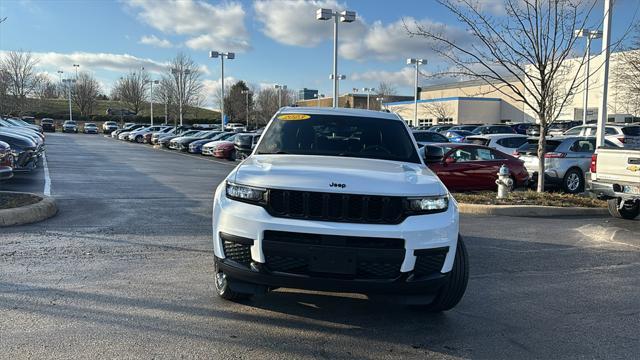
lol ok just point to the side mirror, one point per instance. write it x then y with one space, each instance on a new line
449 160
432 154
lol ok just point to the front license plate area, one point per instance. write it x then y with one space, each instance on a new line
332 261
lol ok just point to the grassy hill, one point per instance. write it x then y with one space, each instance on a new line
59 109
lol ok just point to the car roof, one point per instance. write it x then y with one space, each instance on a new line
339 111
495 136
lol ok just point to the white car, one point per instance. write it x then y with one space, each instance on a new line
338 200
619 135
507 143
138 134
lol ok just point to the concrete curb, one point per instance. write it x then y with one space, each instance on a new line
39 211
529 210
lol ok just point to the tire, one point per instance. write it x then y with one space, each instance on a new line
139 139
221 284
451 293
573 182
628 212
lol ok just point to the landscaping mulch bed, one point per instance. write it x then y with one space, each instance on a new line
10 201
530 198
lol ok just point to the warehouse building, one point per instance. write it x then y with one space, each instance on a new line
472 102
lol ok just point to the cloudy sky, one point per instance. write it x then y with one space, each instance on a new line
276 41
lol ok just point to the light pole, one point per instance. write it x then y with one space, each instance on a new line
280 88
343 16
76 66
417 63
336 102
181 73
380 99
606 39
222 55
590 35
69 82
152 82
246 94
368 90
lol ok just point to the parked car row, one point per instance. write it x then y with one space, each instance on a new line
21 144
233 143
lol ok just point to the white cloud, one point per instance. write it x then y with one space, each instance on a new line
52 61
293 22
390 42
155 41
207 26
212 90
404 77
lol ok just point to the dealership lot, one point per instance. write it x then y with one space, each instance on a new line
126 270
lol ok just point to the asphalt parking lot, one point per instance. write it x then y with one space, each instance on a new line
126 270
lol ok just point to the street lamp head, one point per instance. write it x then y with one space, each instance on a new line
324 14
156 81
595 34
213 54
348 16
580 32
60 72
231 56
76 65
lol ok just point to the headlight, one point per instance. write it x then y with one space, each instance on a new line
429 204
246 193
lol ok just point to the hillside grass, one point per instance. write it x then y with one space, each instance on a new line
61 107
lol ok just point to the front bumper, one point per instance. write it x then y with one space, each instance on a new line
419 235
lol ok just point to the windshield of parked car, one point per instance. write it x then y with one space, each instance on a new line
631 130
429 136
69 122
89 125
531 146
336 135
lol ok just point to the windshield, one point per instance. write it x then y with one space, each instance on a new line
68 122
631 130
428 136
333 135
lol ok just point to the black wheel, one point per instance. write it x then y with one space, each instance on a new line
139 139
222 287
629 211
451 293
232 156
573 182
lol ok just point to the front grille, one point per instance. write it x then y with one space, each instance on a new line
429 261
352 208
333 256
239 253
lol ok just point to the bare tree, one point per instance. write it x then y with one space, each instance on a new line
386 89
84 93
186 83
20 69
626 73
439 109
266 105
525 54
5 98
132 89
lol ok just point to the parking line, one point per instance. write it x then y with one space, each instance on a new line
47 179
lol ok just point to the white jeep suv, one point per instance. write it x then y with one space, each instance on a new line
338 200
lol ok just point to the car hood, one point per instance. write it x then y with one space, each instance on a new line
200 142
183 139
215 143
317 173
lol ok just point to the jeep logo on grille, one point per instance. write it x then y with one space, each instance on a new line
342 186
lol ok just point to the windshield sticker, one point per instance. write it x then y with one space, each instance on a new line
294 117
